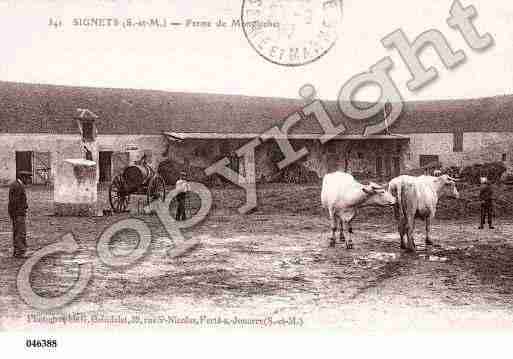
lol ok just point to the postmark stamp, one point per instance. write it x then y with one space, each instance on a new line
291 32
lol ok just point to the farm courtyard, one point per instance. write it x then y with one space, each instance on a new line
274 262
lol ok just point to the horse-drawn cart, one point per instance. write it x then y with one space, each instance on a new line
138 179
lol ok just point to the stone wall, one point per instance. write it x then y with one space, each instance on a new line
440 144
57 145
198 153
478 147
61 147
501 151
154 145
75 188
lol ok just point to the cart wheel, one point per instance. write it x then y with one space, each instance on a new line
118 198
156 190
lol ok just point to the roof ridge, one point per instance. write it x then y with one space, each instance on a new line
170 92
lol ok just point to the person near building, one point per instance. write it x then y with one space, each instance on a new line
17 209
183 187
486 196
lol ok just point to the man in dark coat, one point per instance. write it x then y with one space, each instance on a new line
486 196
17 209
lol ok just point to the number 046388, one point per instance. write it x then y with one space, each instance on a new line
41 343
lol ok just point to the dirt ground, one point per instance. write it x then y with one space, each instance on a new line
273 263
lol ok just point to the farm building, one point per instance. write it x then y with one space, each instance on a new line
41 125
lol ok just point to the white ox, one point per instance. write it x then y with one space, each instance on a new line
341 194
417 197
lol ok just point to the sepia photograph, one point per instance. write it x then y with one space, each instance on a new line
255 166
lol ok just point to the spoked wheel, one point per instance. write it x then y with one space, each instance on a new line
119 199
156 190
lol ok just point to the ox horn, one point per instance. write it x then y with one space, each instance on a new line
454 179
374 185
366 190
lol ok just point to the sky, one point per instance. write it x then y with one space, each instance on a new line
221 60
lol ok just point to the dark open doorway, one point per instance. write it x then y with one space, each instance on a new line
24 166
105 163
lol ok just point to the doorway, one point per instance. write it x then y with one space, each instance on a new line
24 166
105 164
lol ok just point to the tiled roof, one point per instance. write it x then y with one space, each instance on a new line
32 108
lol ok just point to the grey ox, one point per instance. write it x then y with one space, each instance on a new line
417 197
342 195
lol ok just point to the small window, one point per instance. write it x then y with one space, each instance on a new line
87 131
428 161
201 151
332 149
360 155
458 142
504 157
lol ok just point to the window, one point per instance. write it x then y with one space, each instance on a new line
429 161
201 151
359 155
504 157
105 164
87 131
41 166
458 141
332 149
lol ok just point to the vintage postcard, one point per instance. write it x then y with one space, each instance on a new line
261 165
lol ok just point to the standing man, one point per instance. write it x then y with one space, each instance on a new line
17 209
183 188
486 197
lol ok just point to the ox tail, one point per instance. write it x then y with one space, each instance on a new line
401 205
324 193
405 192
395 190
